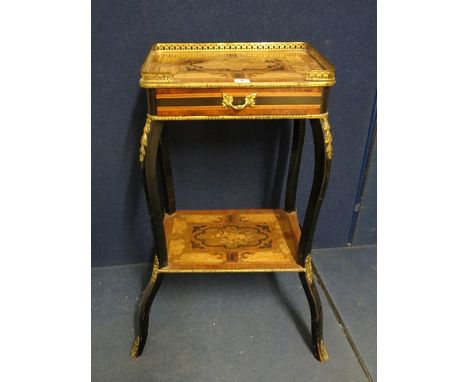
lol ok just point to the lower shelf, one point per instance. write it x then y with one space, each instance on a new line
254 240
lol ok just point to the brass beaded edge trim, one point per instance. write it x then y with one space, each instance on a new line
162 270
224 117
148 83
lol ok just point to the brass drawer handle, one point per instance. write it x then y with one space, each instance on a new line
228 101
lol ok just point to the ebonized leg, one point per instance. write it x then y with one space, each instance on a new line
148 156
144 310
167 179
294 164
323 156
318 346
155 207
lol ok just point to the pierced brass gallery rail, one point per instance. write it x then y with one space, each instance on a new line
320 77
230 46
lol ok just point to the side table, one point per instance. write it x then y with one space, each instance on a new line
218 81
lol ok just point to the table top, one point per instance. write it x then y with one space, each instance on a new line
235 65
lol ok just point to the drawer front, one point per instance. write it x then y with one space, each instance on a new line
216 102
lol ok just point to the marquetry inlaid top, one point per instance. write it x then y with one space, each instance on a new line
235 65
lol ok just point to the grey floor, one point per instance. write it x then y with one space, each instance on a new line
238 327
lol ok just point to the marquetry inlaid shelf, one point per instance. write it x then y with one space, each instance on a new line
258 240
234 81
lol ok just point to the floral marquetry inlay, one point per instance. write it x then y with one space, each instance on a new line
230 239
232 236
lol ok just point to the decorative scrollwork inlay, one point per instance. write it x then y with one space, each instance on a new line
327 137
308 269
144 139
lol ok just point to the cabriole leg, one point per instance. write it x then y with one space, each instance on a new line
144 310
167 179
148 156
323 156
316 315
294 164
150 143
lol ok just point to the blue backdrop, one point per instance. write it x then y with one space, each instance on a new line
217 164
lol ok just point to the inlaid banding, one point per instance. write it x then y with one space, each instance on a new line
216 101
209 102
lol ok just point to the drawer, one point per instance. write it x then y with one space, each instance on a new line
215 102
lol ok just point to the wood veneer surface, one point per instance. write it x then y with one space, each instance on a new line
225 66
232 240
